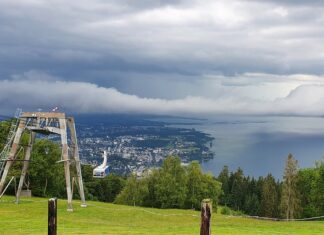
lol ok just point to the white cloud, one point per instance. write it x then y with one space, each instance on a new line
281 11
254 86
86 97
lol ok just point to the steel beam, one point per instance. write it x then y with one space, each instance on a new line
29 148
66 159
42 115
12 154
71 125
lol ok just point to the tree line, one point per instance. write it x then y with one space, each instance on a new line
300 194
171 186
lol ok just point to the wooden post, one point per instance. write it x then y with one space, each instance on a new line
52 216
206 211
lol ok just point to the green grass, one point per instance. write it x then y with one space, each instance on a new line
30 217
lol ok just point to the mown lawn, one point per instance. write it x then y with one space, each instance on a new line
30 217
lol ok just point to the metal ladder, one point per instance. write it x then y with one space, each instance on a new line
11 135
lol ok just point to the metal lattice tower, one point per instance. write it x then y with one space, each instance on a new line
4 155
44 123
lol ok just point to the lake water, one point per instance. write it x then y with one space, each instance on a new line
260 145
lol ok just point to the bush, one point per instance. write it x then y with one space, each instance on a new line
238 213
226 211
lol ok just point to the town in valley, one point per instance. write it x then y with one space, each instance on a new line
135 144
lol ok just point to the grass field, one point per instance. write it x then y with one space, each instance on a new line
30 217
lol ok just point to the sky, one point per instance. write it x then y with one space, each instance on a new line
181 57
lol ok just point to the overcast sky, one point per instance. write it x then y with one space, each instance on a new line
182 57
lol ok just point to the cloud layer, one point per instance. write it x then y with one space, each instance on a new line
172 37
31 93
184 56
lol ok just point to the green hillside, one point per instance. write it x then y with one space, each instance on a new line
30 217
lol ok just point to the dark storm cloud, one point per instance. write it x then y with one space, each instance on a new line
165 36
166 49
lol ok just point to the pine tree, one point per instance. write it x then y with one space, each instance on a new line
223 177
290 202
237 193
269 197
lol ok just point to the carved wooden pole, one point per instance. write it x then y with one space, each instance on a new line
52 216
206 211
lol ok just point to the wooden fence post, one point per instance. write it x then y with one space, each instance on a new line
206 211
52 216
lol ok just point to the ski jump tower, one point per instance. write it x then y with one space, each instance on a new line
46 123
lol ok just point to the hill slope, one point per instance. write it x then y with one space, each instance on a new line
30 217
